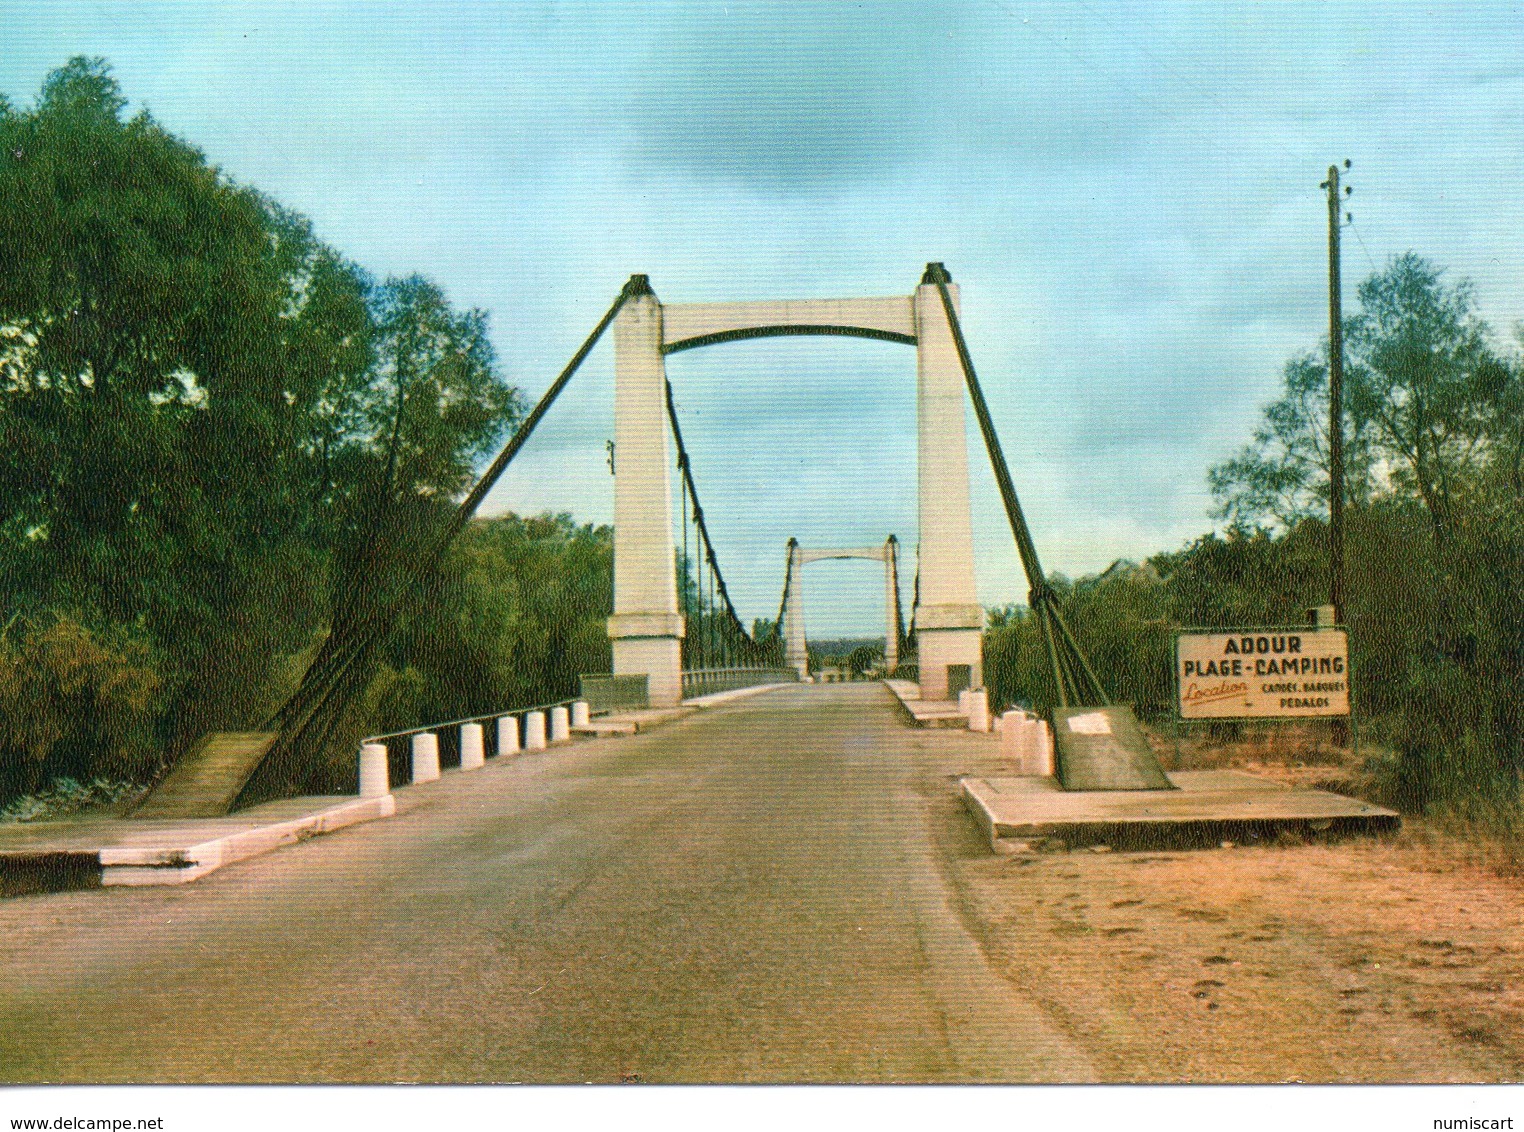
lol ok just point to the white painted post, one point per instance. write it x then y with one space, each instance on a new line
646 630
472 755
950 618
425 757
534 731
507 735
978 710
963 700
560 724
374 781
1010 736
1046 765
581 714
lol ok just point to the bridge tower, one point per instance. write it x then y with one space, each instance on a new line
950 620
796 648
646 629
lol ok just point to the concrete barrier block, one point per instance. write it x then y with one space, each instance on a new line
1010 735
581 715
1043 748
534 731
963 701
560 724
472 753
375 782
507 735
978 710
425 757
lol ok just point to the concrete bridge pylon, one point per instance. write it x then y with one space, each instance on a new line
647 628
796 648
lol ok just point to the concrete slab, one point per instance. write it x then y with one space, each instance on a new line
926 713
87 852
1205 807
206 782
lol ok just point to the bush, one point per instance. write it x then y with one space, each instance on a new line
74 704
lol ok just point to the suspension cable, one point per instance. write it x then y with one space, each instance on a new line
349 643
717 578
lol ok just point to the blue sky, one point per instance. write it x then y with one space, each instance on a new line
1127 193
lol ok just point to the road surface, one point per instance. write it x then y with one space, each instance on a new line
751 893
782 889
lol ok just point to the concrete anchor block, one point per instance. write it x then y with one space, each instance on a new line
534 731
507 735
978 710
425 757
472 754
560 725
374 780
963 698
581 714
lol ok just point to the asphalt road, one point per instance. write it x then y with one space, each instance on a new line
755 893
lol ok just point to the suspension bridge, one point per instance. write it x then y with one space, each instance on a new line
763 887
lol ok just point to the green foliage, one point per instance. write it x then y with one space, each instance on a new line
67 796
74 703
219 440
519 611
1434 548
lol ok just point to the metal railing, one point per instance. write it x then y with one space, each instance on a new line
399 754
704 681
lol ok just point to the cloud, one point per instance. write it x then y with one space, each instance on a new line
789 97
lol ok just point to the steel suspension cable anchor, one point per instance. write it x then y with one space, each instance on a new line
1074 665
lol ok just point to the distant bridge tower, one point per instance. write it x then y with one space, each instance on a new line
796 648
646 629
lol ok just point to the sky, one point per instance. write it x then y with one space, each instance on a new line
1127 195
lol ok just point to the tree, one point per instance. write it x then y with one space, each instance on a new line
222 445
1427 379
143 299
1282 476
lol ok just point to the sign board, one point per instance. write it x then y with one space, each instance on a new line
1263 674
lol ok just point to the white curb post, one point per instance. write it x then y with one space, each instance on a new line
534 731
560 724
374 782
507 735
963 698
1044 748
472 756
1028 751
581 714
1010 736
978 710
425 757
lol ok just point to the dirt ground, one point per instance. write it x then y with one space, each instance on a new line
1390 959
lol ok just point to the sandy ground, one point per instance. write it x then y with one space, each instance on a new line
1360 960
784 889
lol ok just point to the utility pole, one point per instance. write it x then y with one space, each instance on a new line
1340 730
1335 402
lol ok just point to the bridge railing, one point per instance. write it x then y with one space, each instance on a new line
502 732
704 681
